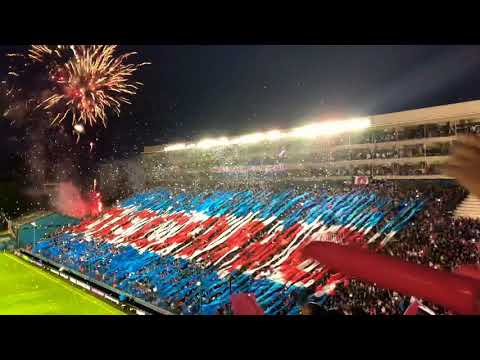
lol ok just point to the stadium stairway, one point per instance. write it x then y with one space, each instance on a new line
469 208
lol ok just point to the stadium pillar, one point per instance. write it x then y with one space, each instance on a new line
34 225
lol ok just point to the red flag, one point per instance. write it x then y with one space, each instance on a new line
457 292
412 308
245 304
471 271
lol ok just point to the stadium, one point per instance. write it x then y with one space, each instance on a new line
232 215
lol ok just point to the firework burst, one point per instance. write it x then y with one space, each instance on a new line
85 82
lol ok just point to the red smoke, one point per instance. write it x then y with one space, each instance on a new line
69 201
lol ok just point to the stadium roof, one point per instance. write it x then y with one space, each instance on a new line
430 115
434 114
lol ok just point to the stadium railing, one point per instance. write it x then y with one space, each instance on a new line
139 306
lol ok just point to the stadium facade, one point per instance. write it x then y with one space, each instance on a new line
28 229
396 146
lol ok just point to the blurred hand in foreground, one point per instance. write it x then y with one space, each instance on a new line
464 164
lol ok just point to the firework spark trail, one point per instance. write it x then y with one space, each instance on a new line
94 81
85 81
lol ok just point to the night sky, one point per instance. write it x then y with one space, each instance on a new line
208 90
197 91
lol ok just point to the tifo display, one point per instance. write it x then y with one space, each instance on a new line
190 251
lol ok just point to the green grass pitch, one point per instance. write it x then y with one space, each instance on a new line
28 290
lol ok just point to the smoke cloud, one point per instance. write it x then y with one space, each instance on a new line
68 200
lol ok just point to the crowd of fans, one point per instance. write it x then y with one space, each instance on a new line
394 152
434 238
390 169
383 157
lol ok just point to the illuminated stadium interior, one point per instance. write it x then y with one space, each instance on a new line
240 180
405 145
234 215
